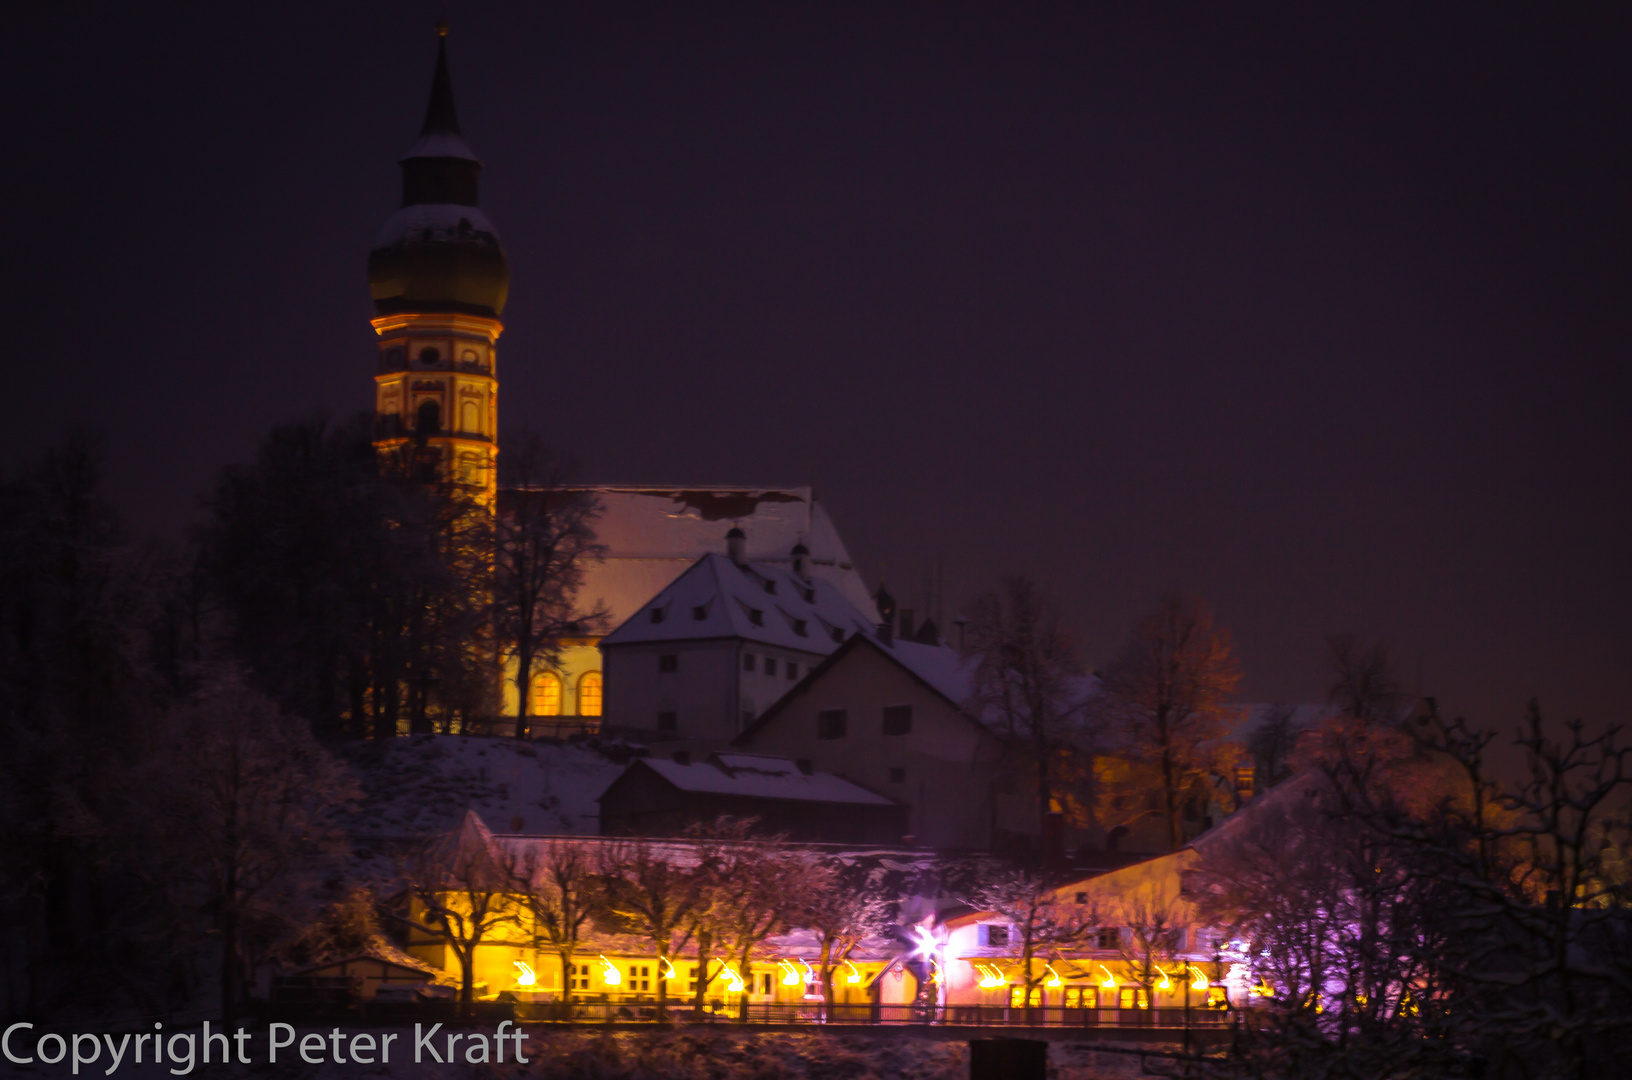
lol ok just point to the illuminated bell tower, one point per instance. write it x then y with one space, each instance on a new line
439 280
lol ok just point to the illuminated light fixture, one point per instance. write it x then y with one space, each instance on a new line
926 941
854 976
736 985
1166 983
668 969
990 977
1109 982
610 974
790 976
810 973
525 976
1201 982
1053 976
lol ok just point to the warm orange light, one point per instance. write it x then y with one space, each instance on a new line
1166 983
735 984
668 969
1201 979
1053 976
610 973
990 977
790 974
526 976
854 976
1109 982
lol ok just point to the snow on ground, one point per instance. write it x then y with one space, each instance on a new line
687 1054
423 784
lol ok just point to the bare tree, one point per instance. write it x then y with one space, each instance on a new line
1364 683
563 893
760 885
249 821
1155 938
1038 921
1271 742
1166 696
544 537
1026 679
843 905
647 894
462 887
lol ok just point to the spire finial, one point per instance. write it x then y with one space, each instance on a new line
440 118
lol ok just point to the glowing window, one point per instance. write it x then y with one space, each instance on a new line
1018 996
589 694
1133 997
1082 997
547 694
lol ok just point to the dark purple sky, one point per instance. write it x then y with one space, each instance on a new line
1323 317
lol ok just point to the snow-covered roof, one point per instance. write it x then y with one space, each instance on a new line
759 777
755 601
435 223
945 669
653 533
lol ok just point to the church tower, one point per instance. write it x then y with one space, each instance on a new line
439 280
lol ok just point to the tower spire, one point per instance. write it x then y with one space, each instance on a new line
440 118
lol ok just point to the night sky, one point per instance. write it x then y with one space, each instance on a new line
1323 317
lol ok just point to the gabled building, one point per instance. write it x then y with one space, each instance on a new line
661 797
650 535
711 651
890 717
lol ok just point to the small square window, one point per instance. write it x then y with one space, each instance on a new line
770 587
700 612
838 635
668 662
747 661
1109 938
770 665
1082 898
667 721
793 671
756 616
801 628
657 614
830 723
898 775
897 719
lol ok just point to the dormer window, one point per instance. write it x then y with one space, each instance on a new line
810 595
756 616
838 635
801 628
770 586
658 614
700 612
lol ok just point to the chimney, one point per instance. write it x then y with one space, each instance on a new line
907 617
886 615
735 542
801 560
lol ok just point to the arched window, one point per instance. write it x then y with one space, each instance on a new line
468 421
547 694
589 694
429 419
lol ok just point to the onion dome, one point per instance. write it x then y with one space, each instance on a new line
439 252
